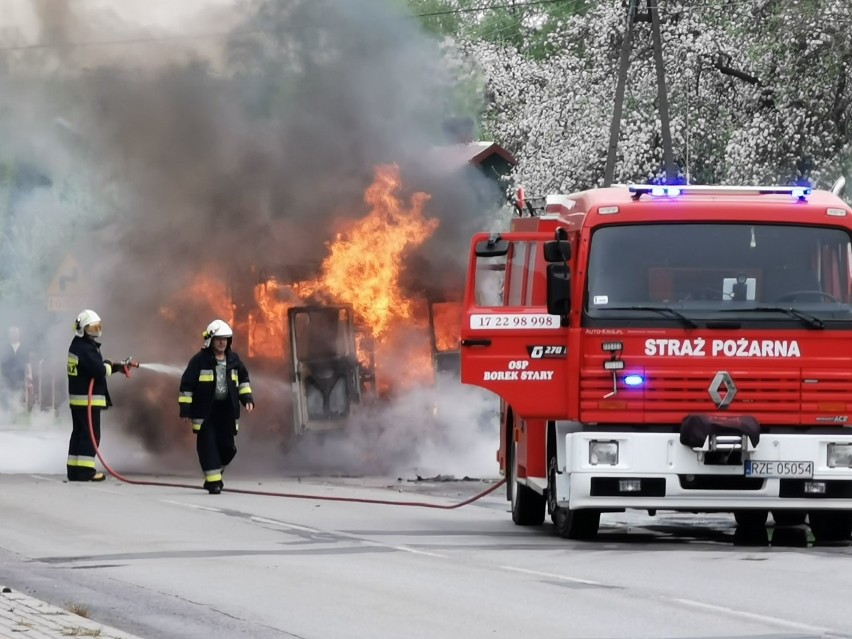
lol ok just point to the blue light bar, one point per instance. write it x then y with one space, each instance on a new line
662 190
633 380
665 191
800 192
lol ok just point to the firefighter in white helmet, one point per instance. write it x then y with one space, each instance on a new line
85 364
212 388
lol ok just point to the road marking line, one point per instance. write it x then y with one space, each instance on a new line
275 522
550 575
414 551
756 616
193 506
336 533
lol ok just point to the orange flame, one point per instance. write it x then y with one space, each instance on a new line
365 261
267 329
205 291
446 321
363 270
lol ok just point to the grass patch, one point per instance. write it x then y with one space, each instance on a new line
81 632
78 609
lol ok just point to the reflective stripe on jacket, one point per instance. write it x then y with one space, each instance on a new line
198 385
85 363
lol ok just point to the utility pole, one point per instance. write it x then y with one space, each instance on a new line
623 66
662 96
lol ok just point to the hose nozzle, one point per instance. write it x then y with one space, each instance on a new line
128 363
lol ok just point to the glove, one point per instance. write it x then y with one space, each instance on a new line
117 367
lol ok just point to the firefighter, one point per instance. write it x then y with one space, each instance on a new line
212 388
85 364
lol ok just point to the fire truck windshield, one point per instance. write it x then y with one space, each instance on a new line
726 271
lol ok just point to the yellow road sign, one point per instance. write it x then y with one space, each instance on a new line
67 287
68 279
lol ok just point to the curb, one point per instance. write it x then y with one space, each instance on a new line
22 616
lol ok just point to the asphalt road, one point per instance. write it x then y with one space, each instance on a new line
168 563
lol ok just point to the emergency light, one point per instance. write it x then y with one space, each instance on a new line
633 380
663 190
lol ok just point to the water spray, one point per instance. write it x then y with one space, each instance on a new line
166 369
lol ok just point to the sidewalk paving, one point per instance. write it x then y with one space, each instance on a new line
23 617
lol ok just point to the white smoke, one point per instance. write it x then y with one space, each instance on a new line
448 430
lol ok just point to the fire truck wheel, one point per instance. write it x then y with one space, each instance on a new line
751 518
570 524
576 524
831 525
789 517
527 505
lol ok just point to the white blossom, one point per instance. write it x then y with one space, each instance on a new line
757 93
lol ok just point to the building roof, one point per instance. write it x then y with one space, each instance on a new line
454 157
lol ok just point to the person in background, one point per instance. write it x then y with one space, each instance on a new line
16 369
212 387
85 364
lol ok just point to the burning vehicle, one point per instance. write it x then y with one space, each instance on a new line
362 329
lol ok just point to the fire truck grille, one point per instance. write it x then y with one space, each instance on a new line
783 397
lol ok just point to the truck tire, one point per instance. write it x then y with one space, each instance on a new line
570 524
789 517
831 525
751 518
527 504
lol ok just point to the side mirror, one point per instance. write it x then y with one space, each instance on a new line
558 289
494 246
557 251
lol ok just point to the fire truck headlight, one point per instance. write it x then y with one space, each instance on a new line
839 456
603 453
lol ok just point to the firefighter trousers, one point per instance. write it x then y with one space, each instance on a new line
215 442
81 451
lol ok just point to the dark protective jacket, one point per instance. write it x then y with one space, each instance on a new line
84 364
198 385
14 366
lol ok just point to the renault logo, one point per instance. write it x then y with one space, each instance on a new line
723 378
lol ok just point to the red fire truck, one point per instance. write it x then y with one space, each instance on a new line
684 348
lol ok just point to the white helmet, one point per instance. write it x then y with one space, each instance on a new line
216 328
87 318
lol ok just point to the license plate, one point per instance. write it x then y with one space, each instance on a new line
757 468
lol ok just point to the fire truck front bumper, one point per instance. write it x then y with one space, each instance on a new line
621 470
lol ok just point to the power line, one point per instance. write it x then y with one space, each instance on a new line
225 35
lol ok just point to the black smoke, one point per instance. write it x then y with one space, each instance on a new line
239 162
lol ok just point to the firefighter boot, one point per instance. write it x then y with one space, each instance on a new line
95 477
213 487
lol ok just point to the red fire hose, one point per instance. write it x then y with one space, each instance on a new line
388 502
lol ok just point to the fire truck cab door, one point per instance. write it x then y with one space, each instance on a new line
324 366
510 344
